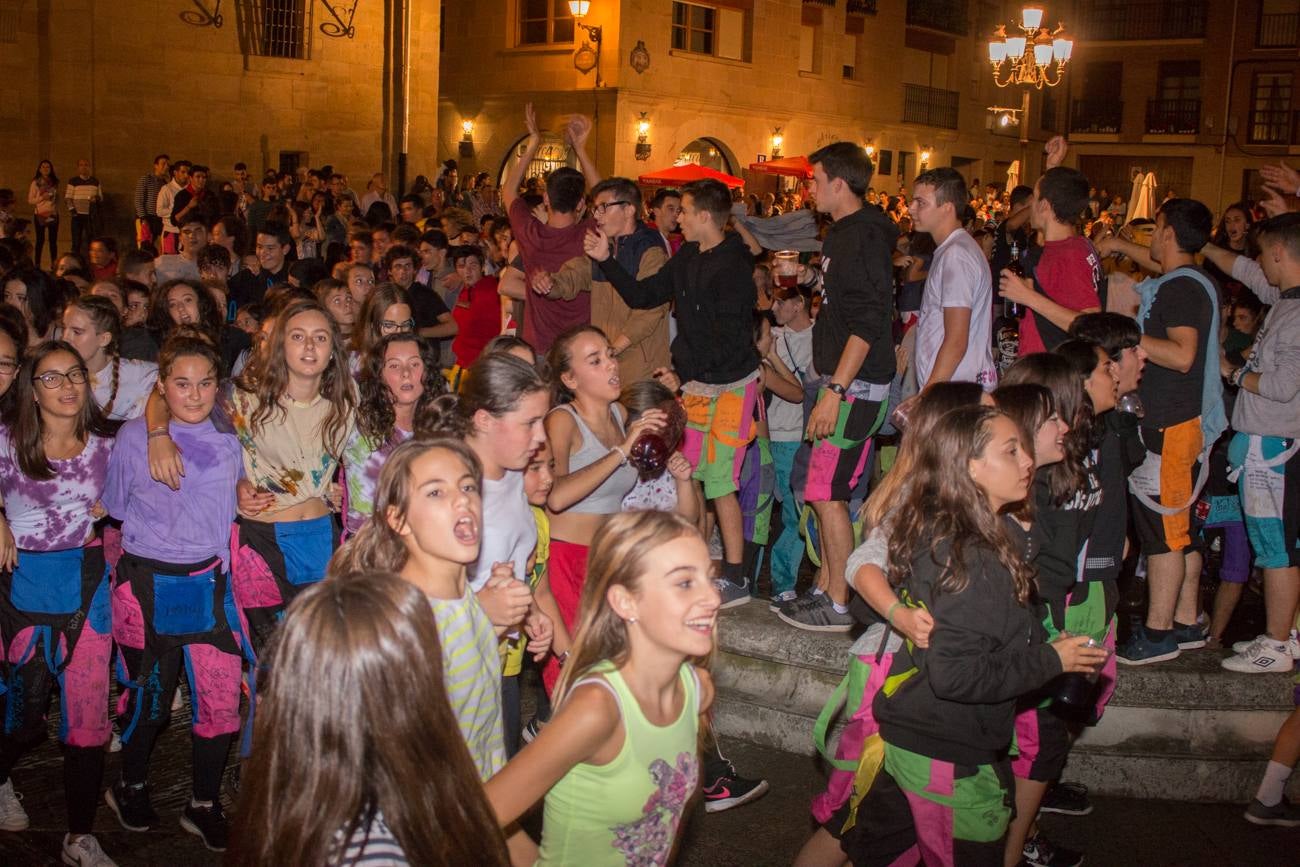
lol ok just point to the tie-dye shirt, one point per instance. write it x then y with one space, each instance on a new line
361 465
55 514
287 456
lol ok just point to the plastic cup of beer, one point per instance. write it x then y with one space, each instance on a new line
786 268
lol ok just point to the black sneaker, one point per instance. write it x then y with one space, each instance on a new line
1041 852
724 788
1068 799
208 824
1283 814
131 806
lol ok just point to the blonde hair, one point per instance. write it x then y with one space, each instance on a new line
618 557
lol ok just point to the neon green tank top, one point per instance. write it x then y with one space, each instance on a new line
628 811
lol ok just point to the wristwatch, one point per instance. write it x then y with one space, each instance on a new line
836 388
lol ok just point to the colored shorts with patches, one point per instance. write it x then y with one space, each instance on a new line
1268 480
924 810
1167 476
829 469
718 430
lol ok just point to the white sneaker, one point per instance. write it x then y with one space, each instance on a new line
12 815
1262 657
1292 644
85 852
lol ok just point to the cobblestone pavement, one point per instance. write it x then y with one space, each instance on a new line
770 831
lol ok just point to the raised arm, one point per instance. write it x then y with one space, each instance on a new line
576 133
515 177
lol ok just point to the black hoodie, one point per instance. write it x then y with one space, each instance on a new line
986 651
713 296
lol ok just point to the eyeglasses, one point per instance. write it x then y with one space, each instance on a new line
605 206
53 379
388 326
8 368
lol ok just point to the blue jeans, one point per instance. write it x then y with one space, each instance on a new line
788 550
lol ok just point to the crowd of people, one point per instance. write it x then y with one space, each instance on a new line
348 465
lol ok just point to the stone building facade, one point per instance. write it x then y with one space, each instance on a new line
118 81
717 80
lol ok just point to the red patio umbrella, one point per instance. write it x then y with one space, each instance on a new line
795 167
684 174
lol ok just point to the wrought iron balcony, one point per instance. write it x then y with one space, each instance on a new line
930 106
1173 116
1278 31
1096 115
1107 20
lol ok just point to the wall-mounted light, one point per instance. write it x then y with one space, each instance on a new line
582 59
467 138
870 148
777 141
643 138
925 158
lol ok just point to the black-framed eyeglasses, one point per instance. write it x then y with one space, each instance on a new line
53 379
388 326
605 206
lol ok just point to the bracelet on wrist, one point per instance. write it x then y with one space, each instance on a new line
889 615
159 432
622 455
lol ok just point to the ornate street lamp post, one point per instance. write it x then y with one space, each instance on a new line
1034 58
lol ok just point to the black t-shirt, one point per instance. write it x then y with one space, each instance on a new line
1171 397
426 307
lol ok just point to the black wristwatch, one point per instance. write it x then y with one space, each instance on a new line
836 388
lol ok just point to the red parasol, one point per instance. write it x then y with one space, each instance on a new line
684 174
795 167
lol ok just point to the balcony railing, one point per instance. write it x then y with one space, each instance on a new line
1106 20
1278 31
930 106
1173 116
950 16
1096 115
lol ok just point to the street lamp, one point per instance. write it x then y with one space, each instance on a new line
579 9
1034 57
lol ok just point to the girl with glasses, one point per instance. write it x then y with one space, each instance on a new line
55 616
387 311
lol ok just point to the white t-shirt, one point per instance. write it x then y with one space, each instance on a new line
959 277
785 419
135 379
509 533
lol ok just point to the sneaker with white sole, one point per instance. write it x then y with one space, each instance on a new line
816 614
1281 815
732 594
12 815
1263 656
724 788
84 851
1292 644
782 599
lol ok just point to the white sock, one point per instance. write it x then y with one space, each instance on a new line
200 805
1273 784
839 609
817 591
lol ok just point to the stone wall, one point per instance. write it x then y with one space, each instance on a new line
119 81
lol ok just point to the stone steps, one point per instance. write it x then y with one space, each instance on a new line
1183 730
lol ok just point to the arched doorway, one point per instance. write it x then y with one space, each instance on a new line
708 153
552 154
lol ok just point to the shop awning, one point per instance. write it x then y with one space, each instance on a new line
795 167
684 174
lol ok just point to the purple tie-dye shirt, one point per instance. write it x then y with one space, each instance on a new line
191 525
54 515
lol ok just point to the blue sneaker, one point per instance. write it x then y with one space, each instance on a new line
1141 650
1189 637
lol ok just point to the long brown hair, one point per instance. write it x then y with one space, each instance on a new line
267 376
943 503
28 424
376 418
353 718
378 545
617 557
1057 374
368 327
936 400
